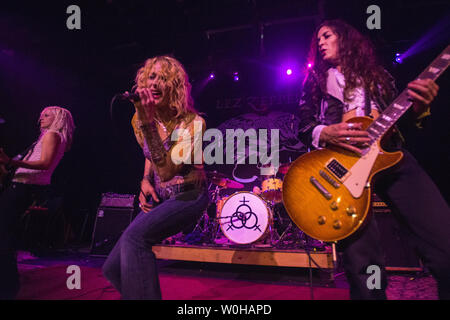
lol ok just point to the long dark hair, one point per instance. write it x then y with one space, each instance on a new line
357 60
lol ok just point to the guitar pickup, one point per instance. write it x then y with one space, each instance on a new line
329 179
337 169
320 187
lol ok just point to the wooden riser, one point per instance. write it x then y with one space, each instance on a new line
253 256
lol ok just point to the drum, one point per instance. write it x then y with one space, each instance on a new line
219 205
244 217
272 190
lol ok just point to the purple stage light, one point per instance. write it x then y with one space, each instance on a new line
211 75
398 58
289 72
236 76
310 65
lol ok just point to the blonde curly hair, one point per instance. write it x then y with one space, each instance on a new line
179 92
63 123
176 79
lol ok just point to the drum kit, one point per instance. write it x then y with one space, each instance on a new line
249 218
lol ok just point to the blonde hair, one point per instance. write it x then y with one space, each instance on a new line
63 123
176 79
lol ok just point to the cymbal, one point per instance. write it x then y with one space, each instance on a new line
215 175
222 180
284 168
227 183
233 184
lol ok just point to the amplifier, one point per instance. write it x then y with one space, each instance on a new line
399 254
117 200
115 213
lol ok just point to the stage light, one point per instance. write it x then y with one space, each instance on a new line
289 72
310 65
236 76
398 58
212 75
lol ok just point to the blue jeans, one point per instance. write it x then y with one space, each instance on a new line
131 265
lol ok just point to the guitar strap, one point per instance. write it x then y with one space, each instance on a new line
27 152
367 106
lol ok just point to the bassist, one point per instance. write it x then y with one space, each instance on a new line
32 176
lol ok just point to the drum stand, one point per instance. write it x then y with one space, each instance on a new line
274 237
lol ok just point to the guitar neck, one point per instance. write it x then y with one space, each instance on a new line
402 103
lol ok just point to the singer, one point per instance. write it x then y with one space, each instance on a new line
172 195
33 176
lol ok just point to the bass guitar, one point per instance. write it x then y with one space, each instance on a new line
327 192
7 173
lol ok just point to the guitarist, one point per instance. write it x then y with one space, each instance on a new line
346 81
33 175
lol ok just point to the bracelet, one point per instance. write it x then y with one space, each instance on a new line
141 125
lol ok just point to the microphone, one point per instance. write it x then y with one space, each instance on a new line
129 96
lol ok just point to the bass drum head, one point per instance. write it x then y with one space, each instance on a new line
244 217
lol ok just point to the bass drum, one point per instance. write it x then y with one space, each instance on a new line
244 217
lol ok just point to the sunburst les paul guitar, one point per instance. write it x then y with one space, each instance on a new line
327 192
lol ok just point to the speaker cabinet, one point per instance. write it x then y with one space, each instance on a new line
111 221
399 254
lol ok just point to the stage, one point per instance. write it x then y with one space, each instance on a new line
44 277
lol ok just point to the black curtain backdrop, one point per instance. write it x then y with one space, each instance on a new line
43 63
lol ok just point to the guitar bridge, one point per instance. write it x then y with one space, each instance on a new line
329 179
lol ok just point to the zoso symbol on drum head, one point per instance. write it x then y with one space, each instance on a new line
244 217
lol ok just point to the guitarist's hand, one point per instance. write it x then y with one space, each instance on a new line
4 159
422 92
146 190
349 136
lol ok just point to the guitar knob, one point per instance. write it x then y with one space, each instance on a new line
334 205
322 220
351 210
337 224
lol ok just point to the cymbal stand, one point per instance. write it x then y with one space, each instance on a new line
295 235
203 223
212 228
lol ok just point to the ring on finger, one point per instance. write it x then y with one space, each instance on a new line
347 139
350 125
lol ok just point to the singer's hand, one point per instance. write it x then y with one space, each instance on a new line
147 102
146 190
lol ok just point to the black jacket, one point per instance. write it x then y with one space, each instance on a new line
309 112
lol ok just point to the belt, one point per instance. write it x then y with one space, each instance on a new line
173 190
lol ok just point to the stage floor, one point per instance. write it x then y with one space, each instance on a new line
44 278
